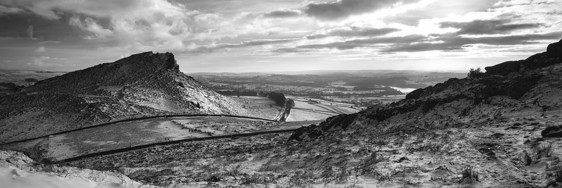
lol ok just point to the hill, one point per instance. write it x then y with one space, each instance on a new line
140 85
500 128
495 129
506 90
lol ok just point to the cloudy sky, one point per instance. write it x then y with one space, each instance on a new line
277 35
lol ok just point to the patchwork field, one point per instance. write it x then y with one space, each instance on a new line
261 107
317 109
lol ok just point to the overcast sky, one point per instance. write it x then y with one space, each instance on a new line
277 35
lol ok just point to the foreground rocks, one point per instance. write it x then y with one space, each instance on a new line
17 170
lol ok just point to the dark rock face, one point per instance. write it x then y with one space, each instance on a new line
504 68
552 132
540 60
555 49
314 131
143 66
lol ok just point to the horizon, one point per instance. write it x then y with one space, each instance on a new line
278 36
302 72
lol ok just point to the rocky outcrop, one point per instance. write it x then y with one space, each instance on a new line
555 49
553 132
340 122
141 85
531 84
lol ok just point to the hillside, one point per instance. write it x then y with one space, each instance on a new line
506 90
140 85
487 130
495 129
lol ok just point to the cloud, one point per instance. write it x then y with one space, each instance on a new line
437 9
208 49
419 43
9 10
41 49
354 32
29 31
90 25
99 8
282 14
139 24
358 43
455 42
487 26
344 8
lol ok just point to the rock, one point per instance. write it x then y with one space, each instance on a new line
555 49
552 132
534 62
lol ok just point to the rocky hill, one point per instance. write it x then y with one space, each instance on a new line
505 90
500 128
140 85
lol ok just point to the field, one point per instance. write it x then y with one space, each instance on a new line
18 76
360 88
262 107
137 133
317 109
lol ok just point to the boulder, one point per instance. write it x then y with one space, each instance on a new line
552 132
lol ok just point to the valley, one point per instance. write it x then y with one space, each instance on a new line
280 94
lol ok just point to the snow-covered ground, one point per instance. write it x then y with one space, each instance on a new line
19 171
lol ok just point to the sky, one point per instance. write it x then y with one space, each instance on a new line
277 35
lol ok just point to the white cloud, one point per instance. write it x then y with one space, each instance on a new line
139 24
88 24
41 49
9 10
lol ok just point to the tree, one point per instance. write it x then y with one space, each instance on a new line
474 73
30 81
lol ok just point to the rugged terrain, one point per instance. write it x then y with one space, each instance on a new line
487 130
501 128
144 84
18 170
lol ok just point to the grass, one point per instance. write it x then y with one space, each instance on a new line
537 152
469 176
555 178
431 147
543 151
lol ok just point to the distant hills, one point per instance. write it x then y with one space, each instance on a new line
143 84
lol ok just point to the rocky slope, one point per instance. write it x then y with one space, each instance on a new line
509 89
140 85
486 130
500 128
